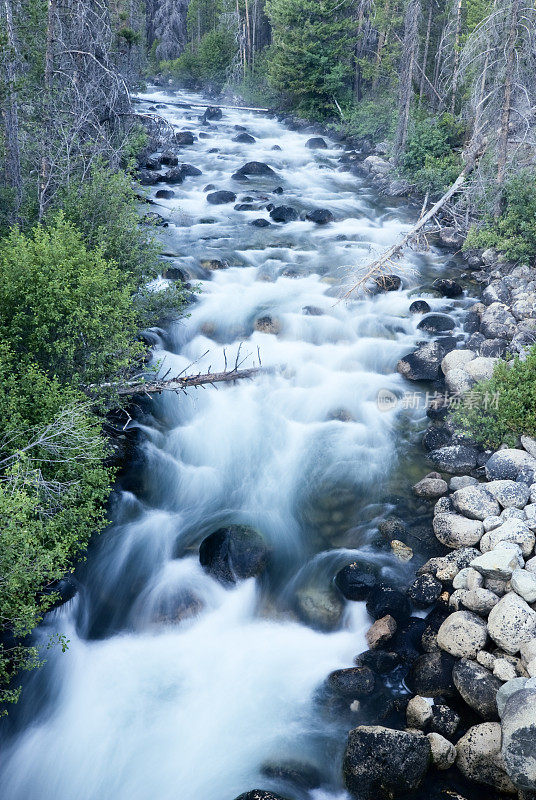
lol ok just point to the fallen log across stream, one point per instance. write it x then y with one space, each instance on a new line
179 383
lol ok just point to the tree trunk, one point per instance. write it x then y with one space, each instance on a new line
411 43
502 148
425 55
10 114
44 177
456 69
179 384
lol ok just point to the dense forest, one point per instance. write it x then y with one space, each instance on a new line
430 80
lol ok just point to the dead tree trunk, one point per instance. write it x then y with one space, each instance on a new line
411 44
455 71
177 384
502 147
10 114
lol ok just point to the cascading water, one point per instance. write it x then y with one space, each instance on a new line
175 686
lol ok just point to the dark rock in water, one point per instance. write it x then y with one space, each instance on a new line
407 639
169 158
419 307
213 263
261 223
220 198
233 552
381 763
457 459
209 187
316 143
445 721
319 606
244 138
190 171
424 591
153 163
276 147
393 528
321 216
477 686
278 190
379 661
152 218
148 177
356 580
387 283
245 207
203 135
240 128
354 682
174 175
423 364
298 773
436 323
519 739
471 323
448 287
175 274
436 437
431 675
255 168
213 112
284 214
383 599
240 177
184 137
260 794
165 194
65 589
312 311
214 150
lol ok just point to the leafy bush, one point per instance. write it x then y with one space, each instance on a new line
371 118
500 410
431 158
209 64
65 306
514 231
53 487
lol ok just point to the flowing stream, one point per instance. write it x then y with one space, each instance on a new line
174 686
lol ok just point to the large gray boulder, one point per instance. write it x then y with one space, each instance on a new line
510 494
455 530
423 364
379 762
506 464
462 634
233 553
497 322
519 739
477 686
457 459
512 623
515 531
499 563
479 757
475 502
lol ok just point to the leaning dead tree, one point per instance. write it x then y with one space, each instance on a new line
383 266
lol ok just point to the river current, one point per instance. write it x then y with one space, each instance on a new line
174 686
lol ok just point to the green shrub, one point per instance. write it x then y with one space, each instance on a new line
215 53
185 70
502 409
514 231
65 306
371 118
432 157
53 489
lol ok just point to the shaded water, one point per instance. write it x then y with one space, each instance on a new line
175 686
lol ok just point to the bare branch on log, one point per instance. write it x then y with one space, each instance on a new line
179 384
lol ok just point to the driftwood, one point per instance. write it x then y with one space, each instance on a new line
381 267
202 105
179 384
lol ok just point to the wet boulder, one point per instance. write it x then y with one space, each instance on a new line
165 194
174 175
479 757
153 162
213 113
260 223
169 158
321 216
380 762
447 287
356 580
255 168
353 682
184 138
444 720
519 739
419 307
221 198
457 459
319 606
232 553
284 214
387 283
316 143
430 675
436 323
260 794
506 464
267 324
148 177
477 686
424 591
244 138
298 773
384 599
423 364
188 170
